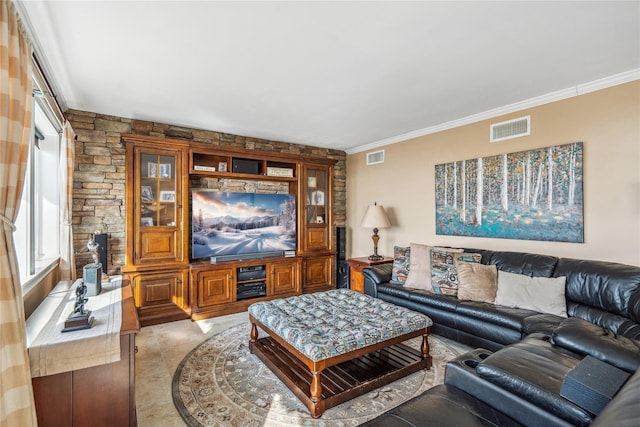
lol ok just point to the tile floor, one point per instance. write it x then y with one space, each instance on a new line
160 349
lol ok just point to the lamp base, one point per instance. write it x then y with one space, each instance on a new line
375 257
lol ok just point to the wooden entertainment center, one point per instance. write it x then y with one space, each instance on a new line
168 285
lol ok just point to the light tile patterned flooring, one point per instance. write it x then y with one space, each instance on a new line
160 349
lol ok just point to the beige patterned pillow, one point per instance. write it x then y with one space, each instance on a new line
477 282
420 266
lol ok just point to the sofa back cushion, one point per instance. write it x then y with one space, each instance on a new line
604 293
532 265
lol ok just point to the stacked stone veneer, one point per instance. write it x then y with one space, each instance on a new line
99 175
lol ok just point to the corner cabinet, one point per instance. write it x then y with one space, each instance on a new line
156 259
316 239
167 284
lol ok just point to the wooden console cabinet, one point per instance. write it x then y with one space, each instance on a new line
167 284
102 395
214 287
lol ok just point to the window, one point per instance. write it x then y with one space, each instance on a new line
37 235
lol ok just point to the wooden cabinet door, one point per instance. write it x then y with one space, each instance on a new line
283 278
216 287
160 289
162 295
156 186
317 273
316 197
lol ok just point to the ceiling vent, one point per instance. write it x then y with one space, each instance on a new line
511 129
375 157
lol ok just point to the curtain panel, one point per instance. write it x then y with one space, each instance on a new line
67 155
16 104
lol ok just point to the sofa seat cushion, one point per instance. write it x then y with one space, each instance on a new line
586 338
442 405
534 370
512 318
543 323
429 299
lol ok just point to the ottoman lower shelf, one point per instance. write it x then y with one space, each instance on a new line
343 381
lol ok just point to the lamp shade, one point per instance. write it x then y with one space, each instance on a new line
375 217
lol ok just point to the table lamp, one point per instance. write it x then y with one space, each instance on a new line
375 217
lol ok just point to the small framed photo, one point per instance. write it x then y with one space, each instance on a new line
152 170
167 196
165 170
312 182
147 193
317 198
147 221
222 166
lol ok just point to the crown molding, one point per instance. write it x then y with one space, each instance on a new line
578 90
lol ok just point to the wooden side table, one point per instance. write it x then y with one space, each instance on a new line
359 264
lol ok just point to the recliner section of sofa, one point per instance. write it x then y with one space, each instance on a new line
517 385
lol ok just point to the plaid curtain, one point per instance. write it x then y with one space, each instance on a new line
16 395
67 155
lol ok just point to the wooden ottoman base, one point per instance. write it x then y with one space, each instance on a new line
354 376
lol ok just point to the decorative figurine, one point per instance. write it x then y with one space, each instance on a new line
79 318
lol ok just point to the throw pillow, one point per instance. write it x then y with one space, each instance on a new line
420 266
477 282
541 294
444 276
401 258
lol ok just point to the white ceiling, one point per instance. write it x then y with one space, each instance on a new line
342 75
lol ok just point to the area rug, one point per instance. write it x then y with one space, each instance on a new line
220 383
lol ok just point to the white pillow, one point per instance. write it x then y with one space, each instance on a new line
542 294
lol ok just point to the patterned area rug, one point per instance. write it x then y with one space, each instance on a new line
220 383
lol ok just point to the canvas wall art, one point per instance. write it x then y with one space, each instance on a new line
527 195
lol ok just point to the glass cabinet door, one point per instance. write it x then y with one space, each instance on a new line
316 196
157 190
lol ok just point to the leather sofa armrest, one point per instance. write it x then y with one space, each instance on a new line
375 275
585 338
623 410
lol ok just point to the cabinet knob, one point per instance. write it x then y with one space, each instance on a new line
179 281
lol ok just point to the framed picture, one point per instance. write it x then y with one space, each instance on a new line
222 166
167 196
317 198
147 221
147 193
312 182
165 170
152 170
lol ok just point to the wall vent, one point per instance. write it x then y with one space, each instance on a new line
511 129
375 157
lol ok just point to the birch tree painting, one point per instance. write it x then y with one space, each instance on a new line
528 195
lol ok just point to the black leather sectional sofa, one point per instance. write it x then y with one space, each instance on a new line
516 374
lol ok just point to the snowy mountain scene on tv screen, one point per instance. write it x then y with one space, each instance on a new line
235 224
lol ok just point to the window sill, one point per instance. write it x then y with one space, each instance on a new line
43 267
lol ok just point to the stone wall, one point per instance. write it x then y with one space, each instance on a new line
99 175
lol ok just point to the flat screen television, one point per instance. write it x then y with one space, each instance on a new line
228 225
